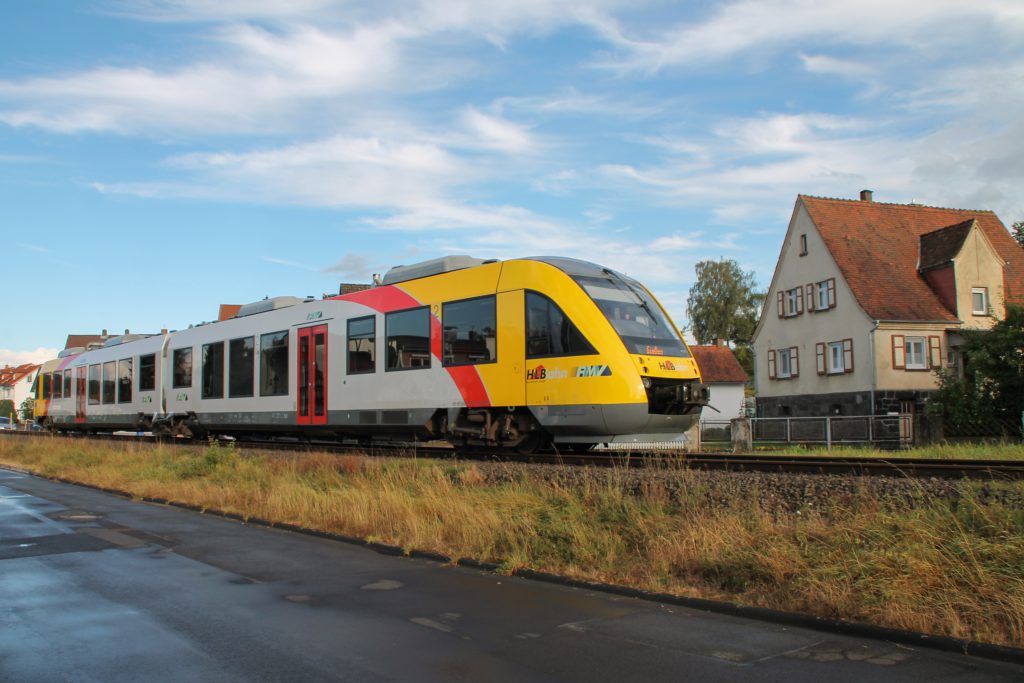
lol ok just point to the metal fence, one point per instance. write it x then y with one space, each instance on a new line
886 431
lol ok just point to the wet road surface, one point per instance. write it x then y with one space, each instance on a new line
94 587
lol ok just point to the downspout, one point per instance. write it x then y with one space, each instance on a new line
874 364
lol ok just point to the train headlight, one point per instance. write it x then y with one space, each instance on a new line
647 382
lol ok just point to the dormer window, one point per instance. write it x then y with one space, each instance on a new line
979 300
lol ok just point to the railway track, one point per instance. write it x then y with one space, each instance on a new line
784 464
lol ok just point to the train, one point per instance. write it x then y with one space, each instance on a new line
524 353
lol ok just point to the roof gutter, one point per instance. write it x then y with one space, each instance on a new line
921 322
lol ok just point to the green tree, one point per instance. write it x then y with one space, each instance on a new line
7 408
1018 232
724 305
991 392
27 409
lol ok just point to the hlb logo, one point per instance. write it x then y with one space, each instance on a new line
540 372
667 365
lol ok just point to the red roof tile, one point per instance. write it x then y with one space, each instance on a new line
718 364
82 340
876 246
228 311
12 374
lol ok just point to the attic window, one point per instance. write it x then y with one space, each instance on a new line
803 244
979 300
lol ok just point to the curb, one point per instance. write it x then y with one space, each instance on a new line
837 626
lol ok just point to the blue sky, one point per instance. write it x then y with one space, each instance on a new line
160 157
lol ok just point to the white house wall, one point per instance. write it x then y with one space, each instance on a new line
846 321
727 399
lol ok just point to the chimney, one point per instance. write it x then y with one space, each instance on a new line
104 332
865 195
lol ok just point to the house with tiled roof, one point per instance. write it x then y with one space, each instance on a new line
868 300
16 382
726 381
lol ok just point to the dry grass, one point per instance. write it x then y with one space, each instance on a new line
949 567
945 451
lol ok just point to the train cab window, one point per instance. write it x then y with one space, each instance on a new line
549 332
470 331
67 384
94 384
213 370
147 372
362 342
109 381
57 386
408 339
241 367
274 364
124 380
181 373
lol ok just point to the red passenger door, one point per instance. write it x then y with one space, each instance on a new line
80 394
312 389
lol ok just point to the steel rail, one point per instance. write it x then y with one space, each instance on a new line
732 462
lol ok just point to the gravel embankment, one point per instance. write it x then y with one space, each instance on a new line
774 492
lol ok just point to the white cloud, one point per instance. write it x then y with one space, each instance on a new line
494 132
734 28
824 64
290 264
352 266
38 355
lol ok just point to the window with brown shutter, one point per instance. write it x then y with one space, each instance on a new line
771 364
809 295
831 292
934 352
847 355
794 362
899 352
799 300
819 354
782 306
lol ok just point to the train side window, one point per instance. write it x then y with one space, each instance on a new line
124 380
274 364
408 339
57 386
362 343
182 370
44 385
94 384
241 367
213 370
549 332
67 384
109 381
470 331
147 372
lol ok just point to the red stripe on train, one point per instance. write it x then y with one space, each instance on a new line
387 299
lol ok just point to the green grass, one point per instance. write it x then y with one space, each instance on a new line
948 451
953 567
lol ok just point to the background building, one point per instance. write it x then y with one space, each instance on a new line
867 300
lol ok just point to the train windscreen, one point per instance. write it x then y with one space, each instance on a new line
636 316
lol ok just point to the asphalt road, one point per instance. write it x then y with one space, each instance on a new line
94 587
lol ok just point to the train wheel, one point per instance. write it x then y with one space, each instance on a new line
533 442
